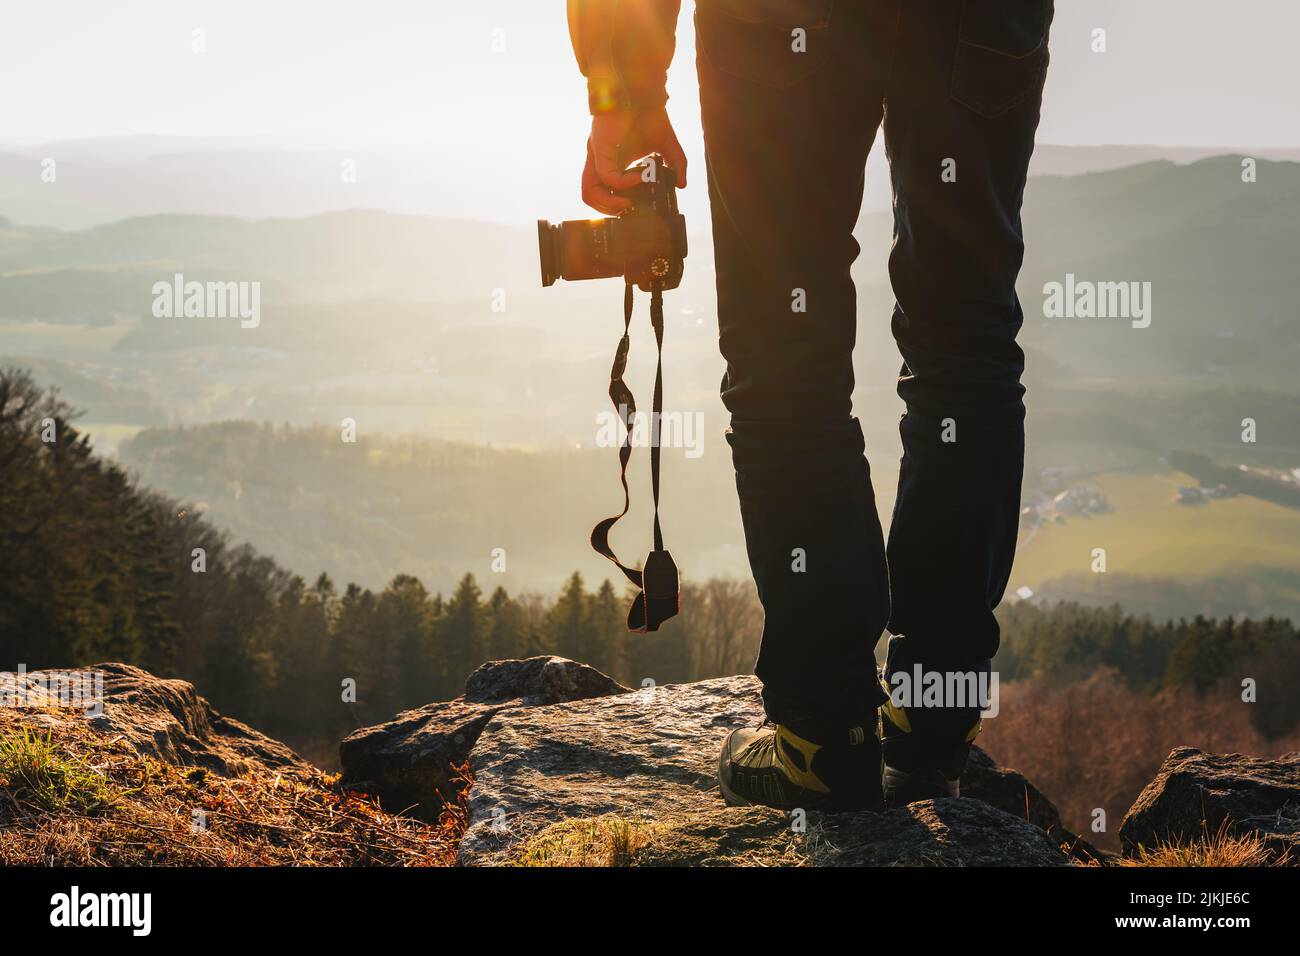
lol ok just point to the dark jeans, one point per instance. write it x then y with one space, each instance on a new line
957 86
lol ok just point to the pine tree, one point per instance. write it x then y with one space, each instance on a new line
463 635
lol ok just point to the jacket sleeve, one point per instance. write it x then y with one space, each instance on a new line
624 48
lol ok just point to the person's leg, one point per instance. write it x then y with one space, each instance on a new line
962 106
787 134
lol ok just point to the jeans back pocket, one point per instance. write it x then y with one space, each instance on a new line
1001 56
774 43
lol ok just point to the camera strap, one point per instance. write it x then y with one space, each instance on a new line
658 598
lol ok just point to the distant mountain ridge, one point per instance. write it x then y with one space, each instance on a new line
110 178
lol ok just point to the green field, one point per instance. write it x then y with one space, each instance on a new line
1149 534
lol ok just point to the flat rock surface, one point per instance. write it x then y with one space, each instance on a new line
651 757
949 832
653 748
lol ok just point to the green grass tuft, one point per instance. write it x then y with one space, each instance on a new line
37 773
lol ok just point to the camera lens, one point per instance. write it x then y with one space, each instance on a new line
548 249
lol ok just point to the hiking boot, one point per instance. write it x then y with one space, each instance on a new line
923 763
821 766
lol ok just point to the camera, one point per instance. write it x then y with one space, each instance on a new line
646 244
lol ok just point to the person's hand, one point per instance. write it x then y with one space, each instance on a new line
616 140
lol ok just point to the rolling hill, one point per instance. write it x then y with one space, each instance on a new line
391 320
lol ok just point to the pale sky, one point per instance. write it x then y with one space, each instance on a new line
1178 72
378 73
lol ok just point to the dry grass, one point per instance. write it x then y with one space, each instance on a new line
589 841
70 796
671 836
1221 849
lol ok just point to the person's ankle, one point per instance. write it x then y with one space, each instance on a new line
832 732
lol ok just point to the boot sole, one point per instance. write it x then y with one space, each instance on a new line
732 798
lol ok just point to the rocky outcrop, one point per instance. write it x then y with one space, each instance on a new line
1197 794
538 764
568 765
412 762
161 718
549 741
649 759
141 771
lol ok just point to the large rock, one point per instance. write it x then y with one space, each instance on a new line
160 718
649 759
1010 792
538 680
1196 794
412 762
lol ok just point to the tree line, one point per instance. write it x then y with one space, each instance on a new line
1065 643
95 568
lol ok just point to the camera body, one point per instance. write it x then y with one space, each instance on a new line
645 245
